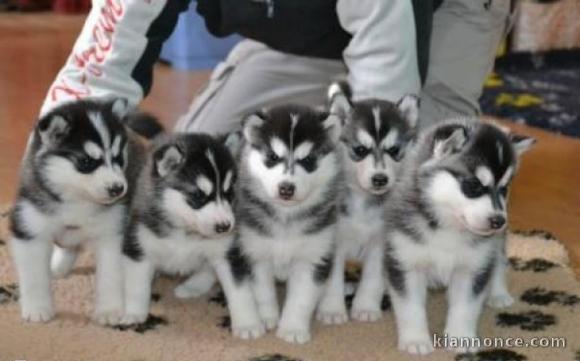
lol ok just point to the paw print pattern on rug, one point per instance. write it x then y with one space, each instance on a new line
536 233
8 293
542 297
150 323
577 356
499 354
274 357
534 265
529 321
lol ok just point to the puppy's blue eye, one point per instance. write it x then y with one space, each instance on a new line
308 163
196 199
472 188
229 195
86 164
119 160
360 151
394 152
198 196
271 159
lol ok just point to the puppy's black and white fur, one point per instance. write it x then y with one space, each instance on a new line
375 136
182 222
290 174
75 173
446 226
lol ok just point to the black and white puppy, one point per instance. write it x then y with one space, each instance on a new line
182 222
77 168
290 175
375 136
446 225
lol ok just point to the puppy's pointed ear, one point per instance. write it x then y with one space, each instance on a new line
408 105
339 99
333 126
120 107
167 159
449 140
52 129
233 141
521 143
252 125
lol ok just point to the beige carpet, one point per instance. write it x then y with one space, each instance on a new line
547 306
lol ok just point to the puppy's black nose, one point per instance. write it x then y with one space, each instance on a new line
222 227
380 180
496 222
116 190
286 190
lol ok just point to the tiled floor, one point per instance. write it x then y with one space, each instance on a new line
33 47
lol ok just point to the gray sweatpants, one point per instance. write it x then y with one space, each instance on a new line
464 40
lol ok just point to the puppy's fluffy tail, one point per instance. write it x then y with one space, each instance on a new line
339 88
144 124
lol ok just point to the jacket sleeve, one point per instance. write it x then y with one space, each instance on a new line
382 55
115 51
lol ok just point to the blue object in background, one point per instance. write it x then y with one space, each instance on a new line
192 47
552 77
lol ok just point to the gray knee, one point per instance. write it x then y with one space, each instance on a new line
440 102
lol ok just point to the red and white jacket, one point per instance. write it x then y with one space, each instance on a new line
121 40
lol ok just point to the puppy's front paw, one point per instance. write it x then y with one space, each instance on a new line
37 314
332 311
299 336
416 345
500 301
108 317
332 317
366 315
249 332
270 322
133 318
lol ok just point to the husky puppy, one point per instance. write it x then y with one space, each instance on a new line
446 226
77 168
375 136
290 172
181 222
